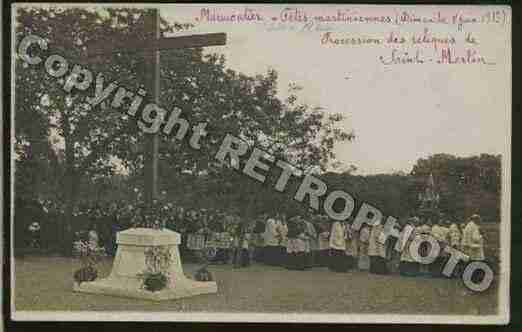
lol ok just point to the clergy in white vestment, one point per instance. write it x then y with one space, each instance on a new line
473 244
377 251
472 240
338 259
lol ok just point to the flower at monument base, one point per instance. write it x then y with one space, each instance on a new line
157 262
155 281
86 273
203 274
89 255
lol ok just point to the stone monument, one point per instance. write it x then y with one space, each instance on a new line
129 262
429 200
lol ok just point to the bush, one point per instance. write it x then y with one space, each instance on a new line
87 273
154 281
203 274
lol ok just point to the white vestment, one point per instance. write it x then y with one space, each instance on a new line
441 233
375 247
337 240
472 242
454 236
270 235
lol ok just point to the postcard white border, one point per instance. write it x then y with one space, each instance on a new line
502 318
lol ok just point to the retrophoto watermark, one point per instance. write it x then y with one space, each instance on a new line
159 148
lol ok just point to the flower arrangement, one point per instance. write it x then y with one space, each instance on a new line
157 262
89 256
203 274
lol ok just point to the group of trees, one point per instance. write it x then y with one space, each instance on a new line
65 149
466 185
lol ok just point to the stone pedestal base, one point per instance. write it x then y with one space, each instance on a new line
130 261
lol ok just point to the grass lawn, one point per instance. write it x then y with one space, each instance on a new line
45 283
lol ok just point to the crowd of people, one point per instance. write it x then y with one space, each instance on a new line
298 242
301 243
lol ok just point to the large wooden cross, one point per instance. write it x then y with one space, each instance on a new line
151 49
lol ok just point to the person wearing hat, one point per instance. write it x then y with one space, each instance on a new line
408 266
472 240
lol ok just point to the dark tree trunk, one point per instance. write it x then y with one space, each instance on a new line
70 197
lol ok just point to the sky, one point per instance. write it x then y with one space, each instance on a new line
399 113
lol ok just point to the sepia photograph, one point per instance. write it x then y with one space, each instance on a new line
260 163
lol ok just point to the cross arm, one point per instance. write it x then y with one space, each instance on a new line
166 43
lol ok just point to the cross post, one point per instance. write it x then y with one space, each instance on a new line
152 72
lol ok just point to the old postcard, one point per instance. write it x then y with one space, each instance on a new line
261 163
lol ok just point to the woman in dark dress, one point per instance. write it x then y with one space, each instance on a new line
241 256
408 267
323 241
259 229
295 249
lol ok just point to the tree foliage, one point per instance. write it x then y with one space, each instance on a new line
200 84
466 185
